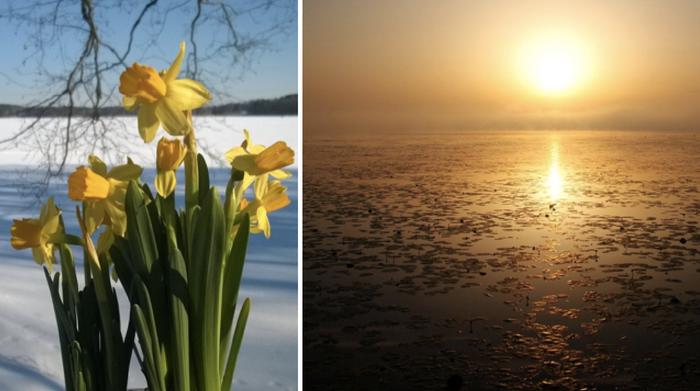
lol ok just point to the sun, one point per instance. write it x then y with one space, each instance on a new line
554 66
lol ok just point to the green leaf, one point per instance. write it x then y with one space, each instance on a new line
179 301
106 305
69 283
90 339
203 178
236 345
148 348
232 278
146 306
139 231
205 289
124 266
166 209
128 348
64 329
78 372
189 220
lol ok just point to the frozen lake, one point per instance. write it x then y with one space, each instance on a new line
526 260
29 350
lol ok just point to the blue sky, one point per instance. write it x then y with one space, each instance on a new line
271 73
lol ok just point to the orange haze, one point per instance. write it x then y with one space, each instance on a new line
449 65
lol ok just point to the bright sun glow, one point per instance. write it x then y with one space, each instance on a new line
554 66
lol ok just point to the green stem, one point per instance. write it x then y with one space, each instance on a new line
191 168
113 355
102 291
231 203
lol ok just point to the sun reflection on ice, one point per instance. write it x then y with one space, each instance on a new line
555 183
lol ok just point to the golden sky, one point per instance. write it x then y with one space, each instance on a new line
448 65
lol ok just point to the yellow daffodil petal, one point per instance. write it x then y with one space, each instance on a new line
117 217
48 212
169 154
130 103
94 215
248 143
261 185
97 165
257 148
246 148
126 172
263 223
43 254
234 153
280 174
247 181
114 206
188 94
86 185
51 225
172 117
174 69
148 122
165 183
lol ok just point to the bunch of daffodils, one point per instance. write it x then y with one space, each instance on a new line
180 268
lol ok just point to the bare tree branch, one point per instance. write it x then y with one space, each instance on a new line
216 35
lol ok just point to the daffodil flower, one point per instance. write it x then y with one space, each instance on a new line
169 156
253 160
269 197
103 192
36 233
161 98
267 160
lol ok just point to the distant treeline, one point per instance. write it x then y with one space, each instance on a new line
285 105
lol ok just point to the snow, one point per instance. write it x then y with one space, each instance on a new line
216 134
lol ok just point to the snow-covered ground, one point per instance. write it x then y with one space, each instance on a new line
215 134
29 350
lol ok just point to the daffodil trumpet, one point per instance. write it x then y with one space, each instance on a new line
103 192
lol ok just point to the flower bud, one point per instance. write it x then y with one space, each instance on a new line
170 154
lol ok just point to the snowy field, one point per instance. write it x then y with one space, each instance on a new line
29 350
216 135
